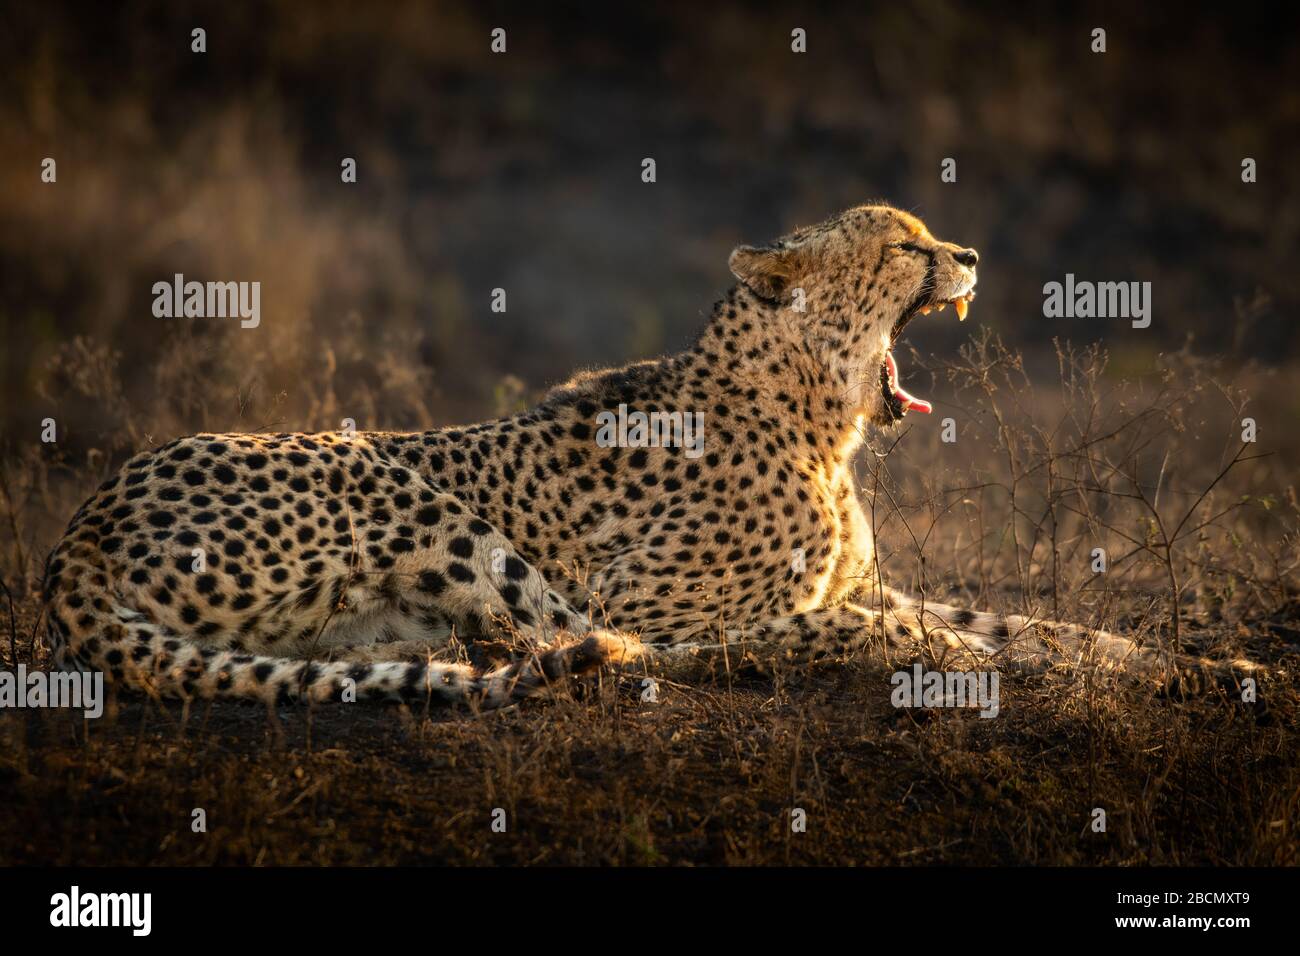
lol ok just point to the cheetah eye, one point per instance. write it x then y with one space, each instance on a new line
906 246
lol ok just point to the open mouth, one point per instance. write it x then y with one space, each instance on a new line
898 400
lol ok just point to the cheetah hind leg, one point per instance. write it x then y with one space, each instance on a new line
481 652
824 634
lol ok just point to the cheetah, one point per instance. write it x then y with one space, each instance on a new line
282 567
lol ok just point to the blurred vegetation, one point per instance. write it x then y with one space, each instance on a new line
521 171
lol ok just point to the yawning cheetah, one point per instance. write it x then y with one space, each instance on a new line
291 565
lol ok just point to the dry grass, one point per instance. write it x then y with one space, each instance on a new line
521 172
1201 554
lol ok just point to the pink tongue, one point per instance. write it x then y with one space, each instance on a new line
910 402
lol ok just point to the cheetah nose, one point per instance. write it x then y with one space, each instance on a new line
967 257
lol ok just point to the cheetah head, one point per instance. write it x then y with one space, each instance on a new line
845 289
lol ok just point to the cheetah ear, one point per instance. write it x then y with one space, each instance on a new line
768 271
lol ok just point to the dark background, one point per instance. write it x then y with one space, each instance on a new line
522 171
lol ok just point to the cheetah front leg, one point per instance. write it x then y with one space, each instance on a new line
901 630
797 639
1035 643
837 632
951 638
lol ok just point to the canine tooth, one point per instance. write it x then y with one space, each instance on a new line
960 306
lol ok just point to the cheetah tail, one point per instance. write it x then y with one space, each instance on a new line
136 653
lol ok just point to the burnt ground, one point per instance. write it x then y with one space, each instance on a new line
707 775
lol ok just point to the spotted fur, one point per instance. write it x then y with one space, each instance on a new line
334 563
